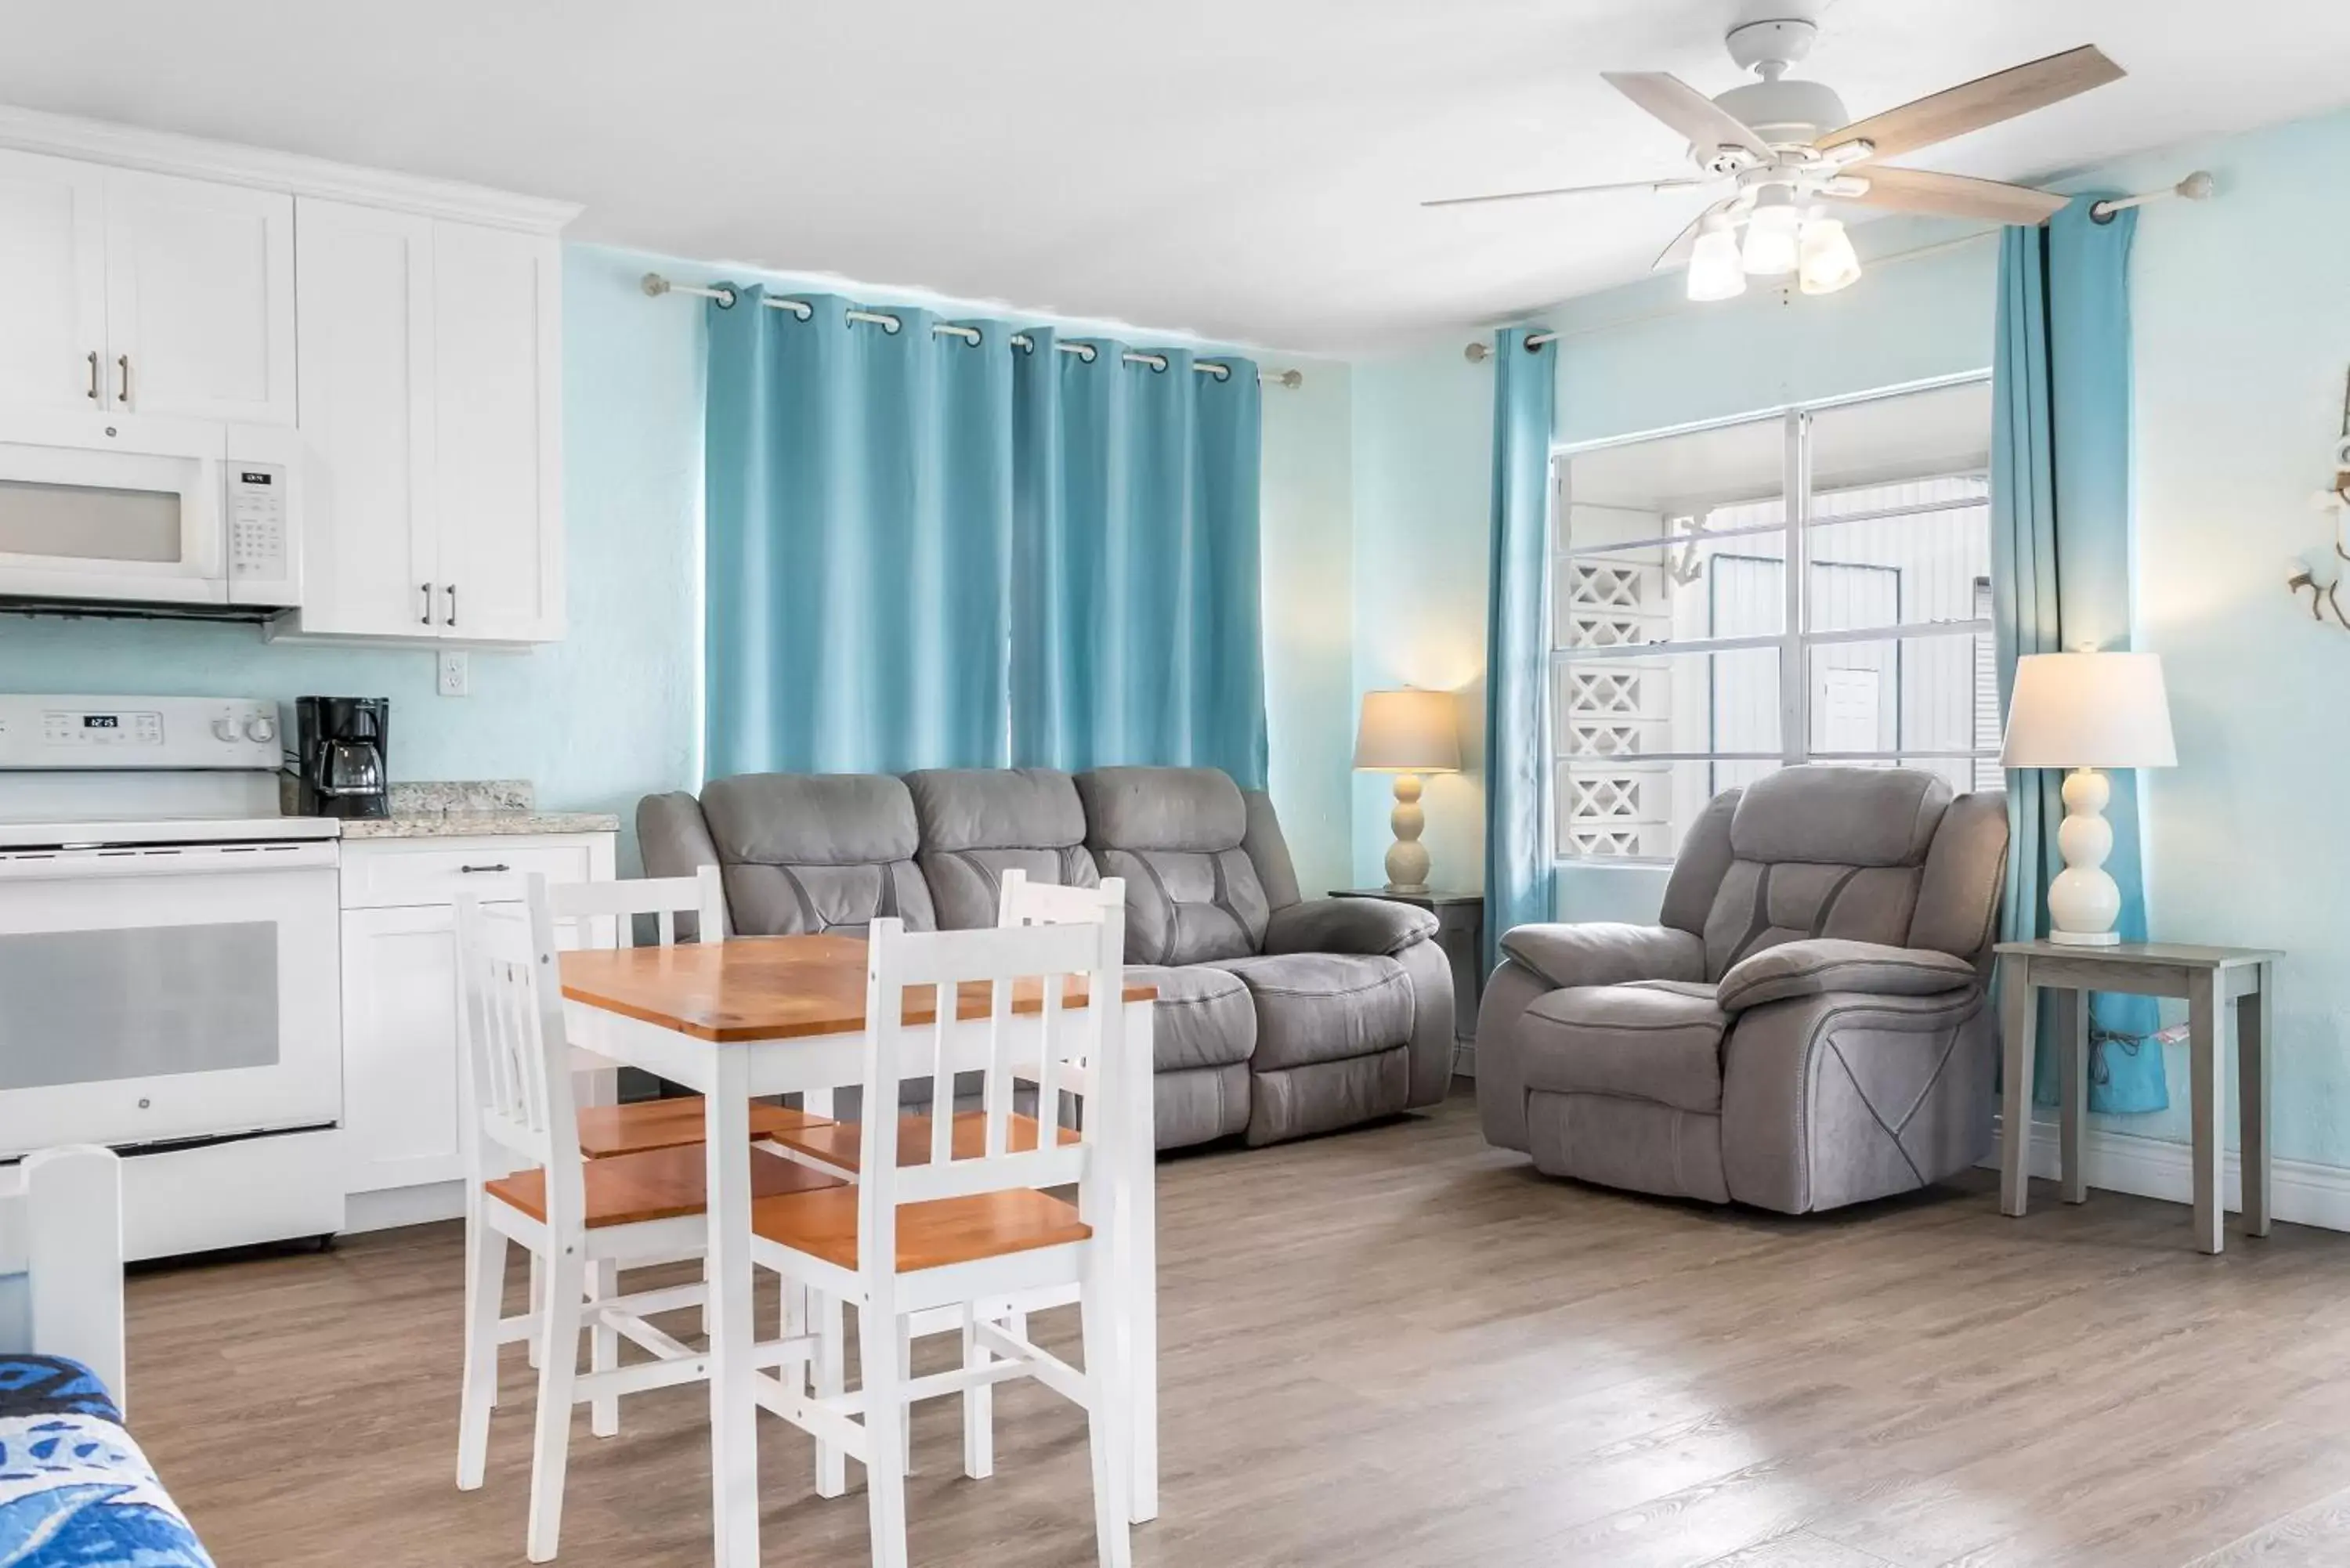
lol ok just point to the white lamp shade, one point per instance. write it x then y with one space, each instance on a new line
1410 731
1828 260
1715 271
2088 711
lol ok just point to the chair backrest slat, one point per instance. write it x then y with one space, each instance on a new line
1032 971
604 914
520 1108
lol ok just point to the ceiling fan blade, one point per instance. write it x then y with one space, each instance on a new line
1704 123
1986 101
1955 195
1567 191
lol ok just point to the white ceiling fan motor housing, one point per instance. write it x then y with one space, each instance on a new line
1782 113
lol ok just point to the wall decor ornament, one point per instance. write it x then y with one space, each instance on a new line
2319 570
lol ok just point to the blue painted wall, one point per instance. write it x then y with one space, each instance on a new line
2242 337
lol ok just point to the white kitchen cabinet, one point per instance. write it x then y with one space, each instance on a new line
364 303
198 298
52 282
432 404
401 1068
403 1072
122 291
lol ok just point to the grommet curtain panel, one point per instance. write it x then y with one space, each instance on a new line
1517 661
2062 516
922 551
1135 600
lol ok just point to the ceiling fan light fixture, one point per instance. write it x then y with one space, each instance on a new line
1772 244
1828 261
1715 269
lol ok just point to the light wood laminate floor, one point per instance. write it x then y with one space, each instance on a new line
1395 1348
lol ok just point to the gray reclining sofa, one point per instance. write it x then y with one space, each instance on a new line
1277 1016
1806 1025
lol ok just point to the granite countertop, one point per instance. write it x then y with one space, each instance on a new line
473 809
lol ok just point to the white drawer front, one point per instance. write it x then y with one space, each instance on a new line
434 871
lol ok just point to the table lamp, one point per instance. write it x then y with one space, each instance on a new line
2085 711
1408 733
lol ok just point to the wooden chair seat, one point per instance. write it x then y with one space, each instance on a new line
841 1144
657 1184
931 1235
608 1130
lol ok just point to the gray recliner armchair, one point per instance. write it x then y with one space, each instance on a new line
1806 1025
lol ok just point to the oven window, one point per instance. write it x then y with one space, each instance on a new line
87 1007
89 523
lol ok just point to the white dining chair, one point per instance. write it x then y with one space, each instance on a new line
530 1185
970 1223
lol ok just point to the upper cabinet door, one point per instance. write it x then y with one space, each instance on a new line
199 300
52 282
364 305
496 308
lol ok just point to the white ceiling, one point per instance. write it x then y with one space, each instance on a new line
1245 169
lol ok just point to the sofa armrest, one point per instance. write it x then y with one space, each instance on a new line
1603 953
673 840
1370 926
1821 965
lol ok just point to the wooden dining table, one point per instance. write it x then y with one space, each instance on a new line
755 1016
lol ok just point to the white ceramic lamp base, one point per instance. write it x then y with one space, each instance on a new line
2084 901
1407 857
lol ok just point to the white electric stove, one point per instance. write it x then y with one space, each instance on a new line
169 965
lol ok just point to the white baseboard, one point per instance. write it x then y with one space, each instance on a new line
2306 1193
403 1206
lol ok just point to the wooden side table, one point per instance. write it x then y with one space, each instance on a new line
1461 931
2210 979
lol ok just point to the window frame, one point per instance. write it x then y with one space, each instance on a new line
1792 642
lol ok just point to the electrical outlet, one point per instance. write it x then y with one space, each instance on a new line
456 675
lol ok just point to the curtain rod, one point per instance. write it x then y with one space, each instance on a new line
655 286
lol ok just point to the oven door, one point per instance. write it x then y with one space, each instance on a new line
167 993
123 509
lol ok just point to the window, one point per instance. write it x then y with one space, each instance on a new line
1810 584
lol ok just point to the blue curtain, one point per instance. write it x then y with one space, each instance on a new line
1517 662
926 552
857 489
1137 633
2063 517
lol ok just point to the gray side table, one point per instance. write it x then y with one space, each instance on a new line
2210 980
1461 931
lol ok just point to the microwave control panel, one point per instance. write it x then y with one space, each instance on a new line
256 520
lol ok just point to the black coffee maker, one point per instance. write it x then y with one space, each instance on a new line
341 761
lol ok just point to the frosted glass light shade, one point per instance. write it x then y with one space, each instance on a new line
2088 711
1829 262
1410 731
1715 270
1770 244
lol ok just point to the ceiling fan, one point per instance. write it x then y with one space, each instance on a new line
1794 159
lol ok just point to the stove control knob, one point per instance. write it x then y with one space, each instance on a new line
261 727
224 729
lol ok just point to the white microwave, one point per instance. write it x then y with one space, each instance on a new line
125 509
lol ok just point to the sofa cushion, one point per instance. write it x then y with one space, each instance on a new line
1324 1007
1765 903
1204 1017
817 852
976 823
1192 893
1651 1040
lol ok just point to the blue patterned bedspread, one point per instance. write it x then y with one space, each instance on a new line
75 1490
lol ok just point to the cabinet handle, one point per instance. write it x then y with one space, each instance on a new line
123 362
93 376
452 605
500 866
426 619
